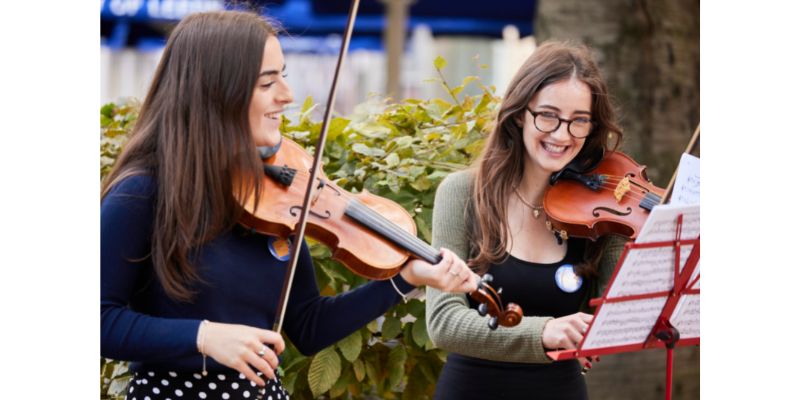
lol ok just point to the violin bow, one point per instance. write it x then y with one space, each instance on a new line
300 228
689 148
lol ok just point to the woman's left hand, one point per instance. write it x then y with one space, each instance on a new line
451 274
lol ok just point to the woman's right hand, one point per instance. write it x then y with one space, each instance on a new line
238 347
451 274
565 332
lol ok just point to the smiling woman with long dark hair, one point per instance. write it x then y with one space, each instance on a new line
187 294
555 112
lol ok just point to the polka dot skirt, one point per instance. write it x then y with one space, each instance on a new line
151 385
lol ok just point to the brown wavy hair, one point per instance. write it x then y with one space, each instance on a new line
500 166
193 136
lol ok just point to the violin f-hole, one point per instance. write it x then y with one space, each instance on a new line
596 211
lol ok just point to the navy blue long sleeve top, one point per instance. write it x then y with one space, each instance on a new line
241 285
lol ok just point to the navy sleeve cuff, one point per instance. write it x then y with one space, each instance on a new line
401 283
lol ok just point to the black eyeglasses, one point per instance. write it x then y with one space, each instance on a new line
549 122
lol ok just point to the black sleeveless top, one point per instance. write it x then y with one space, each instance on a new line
535 287
541 290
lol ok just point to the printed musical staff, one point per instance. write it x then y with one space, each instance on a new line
618 324
686 318
687 184
648 270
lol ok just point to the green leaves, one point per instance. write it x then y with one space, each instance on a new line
391 328
397 361
324 371
350 346
116 122
420 333
359 369
362 148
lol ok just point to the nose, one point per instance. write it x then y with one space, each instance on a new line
284 94
562 131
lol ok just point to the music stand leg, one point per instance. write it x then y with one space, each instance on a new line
669 335
670 349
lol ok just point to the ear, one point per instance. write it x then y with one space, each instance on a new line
519 120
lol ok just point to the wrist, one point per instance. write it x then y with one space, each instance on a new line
201 336
403 287
202 331
408 277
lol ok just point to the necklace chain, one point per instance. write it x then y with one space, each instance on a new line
536 209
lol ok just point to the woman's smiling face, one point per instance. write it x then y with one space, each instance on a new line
270 96
567 99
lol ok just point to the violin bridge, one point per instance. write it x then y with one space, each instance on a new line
622 188
317 191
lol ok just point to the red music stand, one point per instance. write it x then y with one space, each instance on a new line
663 333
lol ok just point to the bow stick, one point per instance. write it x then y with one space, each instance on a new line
300 228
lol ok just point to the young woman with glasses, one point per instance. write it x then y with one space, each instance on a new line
556 111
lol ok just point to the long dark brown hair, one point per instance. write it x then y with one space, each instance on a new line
500 166
193 136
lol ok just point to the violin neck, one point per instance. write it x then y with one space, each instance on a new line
387 229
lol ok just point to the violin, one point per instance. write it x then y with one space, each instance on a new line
371 235
611 196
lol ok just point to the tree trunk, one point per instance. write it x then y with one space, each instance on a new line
649 52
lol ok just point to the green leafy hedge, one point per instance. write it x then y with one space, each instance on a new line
400 151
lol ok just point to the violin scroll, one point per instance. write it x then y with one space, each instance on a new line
491 304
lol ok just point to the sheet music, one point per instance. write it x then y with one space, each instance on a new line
623 323
694 275
686 317
647 271
660 225
687 183
650 270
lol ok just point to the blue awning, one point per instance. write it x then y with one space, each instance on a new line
127 22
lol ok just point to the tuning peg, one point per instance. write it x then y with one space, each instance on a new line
482 309
499 291
493 323
487 278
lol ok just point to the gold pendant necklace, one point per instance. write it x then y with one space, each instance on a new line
536 209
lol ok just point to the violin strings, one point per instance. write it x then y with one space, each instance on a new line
416 244
632 194
374 220
404 238
641 193
420 246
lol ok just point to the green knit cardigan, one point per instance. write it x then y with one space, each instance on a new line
452 325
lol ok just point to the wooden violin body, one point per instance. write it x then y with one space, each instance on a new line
613 198
353 244
371 235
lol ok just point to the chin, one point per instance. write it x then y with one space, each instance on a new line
268 139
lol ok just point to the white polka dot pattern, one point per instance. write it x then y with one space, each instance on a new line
193 386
